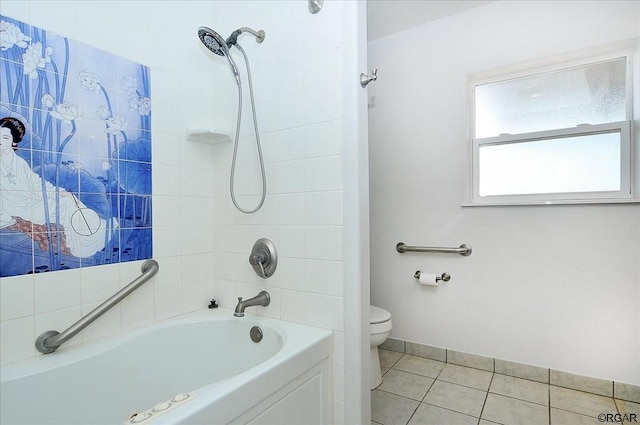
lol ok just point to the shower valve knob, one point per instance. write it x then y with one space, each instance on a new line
366 79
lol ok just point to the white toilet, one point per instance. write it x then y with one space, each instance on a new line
379 331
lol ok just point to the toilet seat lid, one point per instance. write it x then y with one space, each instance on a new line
378 315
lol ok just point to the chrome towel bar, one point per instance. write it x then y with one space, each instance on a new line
464 249
49 341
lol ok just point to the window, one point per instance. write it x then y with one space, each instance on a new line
559 134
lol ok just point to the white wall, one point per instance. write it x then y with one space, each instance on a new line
552 286
200 241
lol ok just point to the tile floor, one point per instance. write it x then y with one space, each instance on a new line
420 391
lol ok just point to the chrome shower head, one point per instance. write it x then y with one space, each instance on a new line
215 43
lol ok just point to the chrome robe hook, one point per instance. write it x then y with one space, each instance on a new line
366 79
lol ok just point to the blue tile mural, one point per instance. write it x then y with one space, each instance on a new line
75 150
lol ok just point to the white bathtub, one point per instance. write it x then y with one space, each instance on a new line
206 357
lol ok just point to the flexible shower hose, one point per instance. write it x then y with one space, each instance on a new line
235 146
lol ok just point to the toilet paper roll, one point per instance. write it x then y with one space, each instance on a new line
428 279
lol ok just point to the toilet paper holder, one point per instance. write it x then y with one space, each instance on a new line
444 277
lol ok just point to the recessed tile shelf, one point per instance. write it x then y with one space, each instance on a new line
207 136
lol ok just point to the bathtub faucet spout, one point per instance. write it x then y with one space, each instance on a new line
262 299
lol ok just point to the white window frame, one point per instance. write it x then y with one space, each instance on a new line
629 145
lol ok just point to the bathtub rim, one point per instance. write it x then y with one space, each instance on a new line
288 331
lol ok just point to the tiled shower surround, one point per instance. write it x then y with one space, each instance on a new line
200 241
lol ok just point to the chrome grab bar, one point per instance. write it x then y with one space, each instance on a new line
49 341
464 249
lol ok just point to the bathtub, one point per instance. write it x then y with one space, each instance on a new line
199 368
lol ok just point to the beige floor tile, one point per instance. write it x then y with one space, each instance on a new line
419 366
580 402
469 377
428 414
512 411
388 358
522 389
562 417
456 397
486 422
627 409
391 409
406 384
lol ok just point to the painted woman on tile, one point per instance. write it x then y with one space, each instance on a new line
26 200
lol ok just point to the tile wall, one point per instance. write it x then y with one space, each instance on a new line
200 241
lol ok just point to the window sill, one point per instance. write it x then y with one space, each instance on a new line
551 202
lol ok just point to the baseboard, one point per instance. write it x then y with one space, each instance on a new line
619 390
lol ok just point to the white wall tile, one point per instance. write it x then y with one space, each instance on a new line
196 181
107 324
292 242
291 144
225 265
99 283
166 180
196 210
323 173
293 304
138 309
321 105
324 242
291 209
167 242
16 297
226 293
17 337
196 239
195 267
268 117
318 208
196 296
57 291
325 311
168 302
131 271
17 9
322 139
270 145
290 111
325 277
292 273
289 177
167 210
169 273
165 148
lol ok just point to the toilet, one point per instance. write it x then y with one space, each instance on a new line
379 331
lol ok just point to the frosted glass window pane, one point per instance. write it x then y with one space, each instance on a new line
589 94
588 163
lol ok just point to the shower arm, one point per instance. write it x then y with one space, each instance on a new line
259 35
232 40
